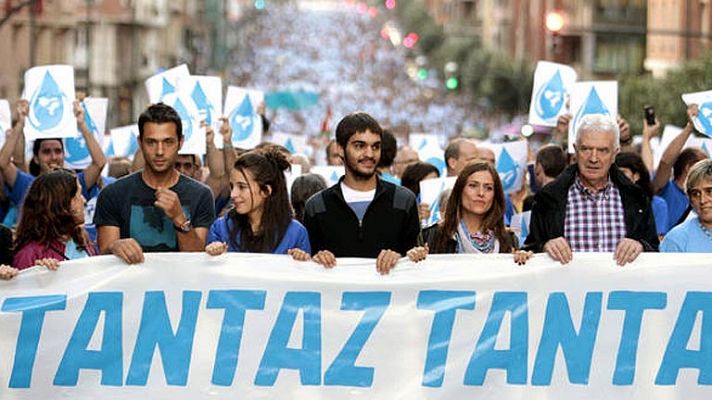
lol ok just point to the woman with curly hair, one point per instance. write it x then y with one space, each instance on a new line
261 218
51 223
474 218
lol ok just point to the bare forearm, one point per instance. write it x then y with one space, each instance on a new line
662 176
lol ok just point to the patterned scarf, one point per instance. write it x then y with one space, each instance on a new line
478 242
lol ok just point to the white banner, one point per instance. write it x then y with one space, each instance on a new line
76 152
429 150
594 97
703 121
552 82
50 93
331 173
295 144
670 132
241 110
123 142
511 159
188 326
430 190
206 94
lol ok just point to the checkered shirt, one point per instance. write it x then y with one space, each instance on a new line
594 221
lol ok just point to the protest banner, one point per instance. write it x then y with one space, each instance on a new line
50 92
593 97
428 148
166 82
430 190
76 152
123 142
206 94
292 142
552 83
332 173
191 326
511 163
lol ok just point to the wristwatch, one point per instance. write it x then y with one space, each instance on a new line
185 227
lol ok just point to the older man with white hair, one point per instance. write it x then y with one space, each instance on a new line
592 206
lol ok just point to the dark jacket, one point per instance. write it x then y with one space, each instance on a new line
391 222
431 236
549 211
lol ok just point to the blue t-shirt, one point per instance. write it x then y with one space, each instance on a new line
660 212
294 237
676 202
687 237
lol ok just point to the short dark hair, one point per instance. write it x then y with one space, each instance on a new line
686 159
552 160
160 113
453 149
416 172
389 148
354 123
635 163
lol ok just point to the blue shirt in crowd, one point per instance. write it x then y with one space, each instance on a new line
676 201
295 237
687 237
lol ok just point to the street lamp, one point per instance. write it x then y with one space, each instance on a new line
554 24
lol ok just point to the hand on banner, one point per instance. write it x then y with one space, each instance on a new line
7 272
168 201
325 258
49 263
561 130
627 251
522 256
216 248
418 253
299 254
559 250
386 260
128 250
22 109
424 211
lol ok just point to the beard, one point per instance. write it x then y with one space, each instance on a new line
352 167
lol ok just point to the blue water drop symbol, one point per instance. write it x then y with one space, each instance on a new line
186 121
704 116
439 163
334 177
592 105
46 105
423 144
290 146
435 212
204 105
166 88
550 97
507 169
76 149
242 120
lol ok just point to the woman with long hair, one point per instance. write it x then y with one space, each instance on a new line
51 223
261 218
474 218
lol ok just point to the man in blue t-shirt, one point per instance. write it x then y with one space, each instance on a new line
678 162
47 155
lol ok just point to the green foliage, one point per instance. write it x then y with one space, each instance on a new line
663 93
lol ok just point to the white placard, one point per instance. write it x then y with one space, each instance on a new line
241 110
511 163
76 152
5 119
703 120
429 150
552 83
332 173
193 133
50 93
164 83
430 190
206 93
123 142
593 97
296 144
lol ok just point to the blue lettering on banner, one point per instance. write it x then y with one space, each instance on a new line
235 303
155 331
109 360
677 355
343 371
33 311
514 360
445 304
558 330
634 304
277 355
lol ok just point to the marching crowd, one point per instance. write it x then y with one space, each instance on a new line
601 198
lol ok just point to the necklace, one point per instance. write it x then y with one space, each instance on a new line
707 231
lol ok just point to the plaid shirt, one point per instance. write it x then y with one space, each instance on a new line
594 221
